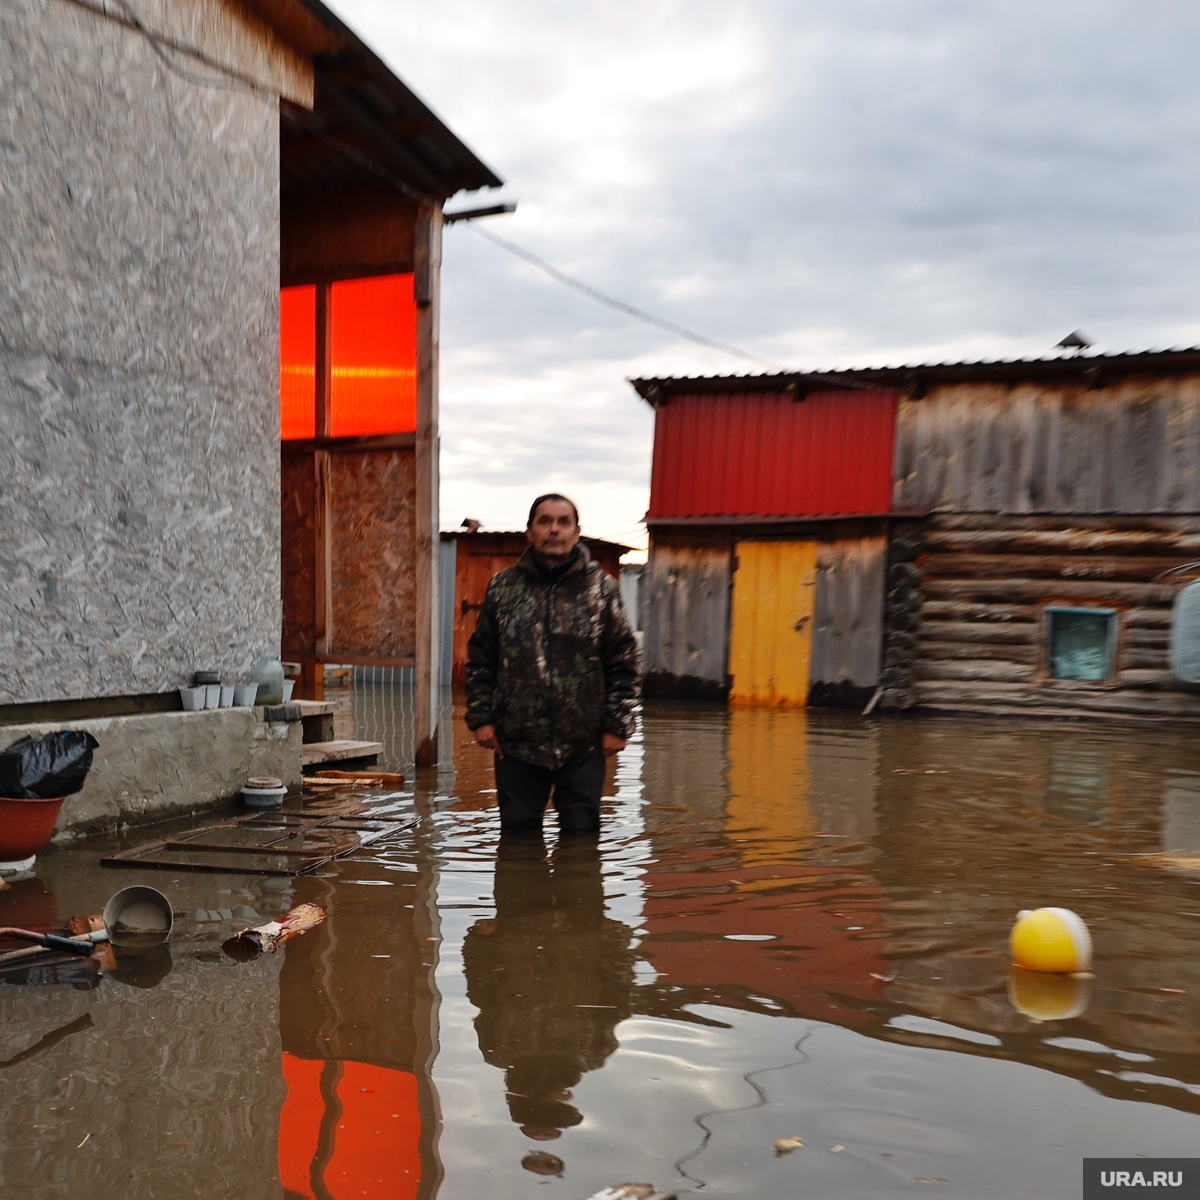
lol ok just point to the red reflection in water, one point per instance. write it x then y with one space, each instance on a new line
348 1129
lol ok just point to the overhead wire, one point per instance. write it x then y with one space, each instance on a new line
228 80
594 293
231 80
234 81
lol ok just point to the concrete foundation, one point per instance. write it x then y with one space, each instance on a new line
151 766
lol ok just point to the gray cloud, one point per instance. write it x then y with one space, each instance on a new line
824 183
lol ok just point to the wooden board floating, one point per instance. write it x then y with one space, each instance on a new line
266 939
312 753
380 777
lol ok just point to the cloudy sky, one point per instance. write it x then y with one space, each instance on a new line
825 184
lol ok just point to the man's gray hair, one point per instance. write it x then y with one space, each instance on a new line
551 496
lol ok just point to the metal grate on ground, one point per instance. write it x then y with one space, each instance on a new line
281 843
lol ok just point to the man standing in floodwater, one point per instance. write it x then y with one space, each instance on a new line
552 675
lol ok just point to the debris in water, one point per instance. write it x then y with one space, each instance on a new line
632 1191
787 1145
266 939
358 778
1186 862
541 1163
84 1142
836 1149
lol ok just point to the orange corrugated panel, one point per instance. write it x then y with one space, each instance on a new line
765 454
297 362
373 351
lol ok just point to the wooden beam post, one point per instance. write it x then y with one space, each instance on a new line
322 499
427 265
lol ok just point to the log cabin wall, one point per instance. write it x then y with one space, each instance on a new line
969 603
1044 496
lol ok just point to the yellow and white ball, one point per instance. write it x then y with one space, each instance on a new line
1054 940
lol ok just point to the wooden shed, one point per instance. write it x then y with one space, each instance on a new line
364 176
769 507
478 555
1030 513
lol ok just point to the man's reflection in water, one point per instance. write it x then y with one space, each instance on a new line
551 976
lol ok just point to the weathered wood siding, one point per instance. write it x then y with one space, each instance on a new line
686 610
847 640
687 585
966 612
1131 447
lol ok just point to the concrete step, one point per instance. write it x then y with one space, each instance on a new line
338 751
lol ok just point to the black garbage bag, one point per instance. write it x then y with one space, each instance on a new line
46 767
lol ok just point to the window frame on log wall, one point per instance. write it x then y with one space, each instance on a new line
1112 611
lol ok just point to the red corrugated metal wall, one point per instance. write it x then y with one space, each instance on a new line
765 454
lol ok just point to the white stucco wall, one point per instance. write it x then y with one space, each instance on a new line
139 412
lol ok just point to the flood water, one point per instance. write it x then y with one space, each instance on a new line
794 924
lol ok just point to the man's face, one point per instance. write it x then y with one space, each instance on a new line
554 532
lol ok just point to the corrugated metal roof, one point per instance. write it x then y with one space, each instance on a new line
766 454
365 116
1092 369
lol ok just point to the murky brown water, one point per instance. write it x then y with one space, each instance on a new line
794 924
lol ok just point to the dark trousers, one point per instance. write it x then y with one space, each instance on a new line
524 791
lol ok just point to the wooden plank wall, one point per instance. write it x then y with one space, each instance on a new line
848 622
687 583
1130 447
966 620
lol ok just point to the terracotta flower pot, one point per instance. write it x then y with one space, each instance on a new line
26 826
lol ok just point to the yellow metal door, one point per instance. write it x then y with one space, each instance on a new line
771 637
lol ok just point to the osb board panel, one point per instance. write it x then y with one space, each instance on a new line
848 618
233 35
139 365
687 608
1133 447
299 553
373 496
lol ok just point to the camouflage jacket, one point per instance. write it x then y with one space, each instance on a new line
554 667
